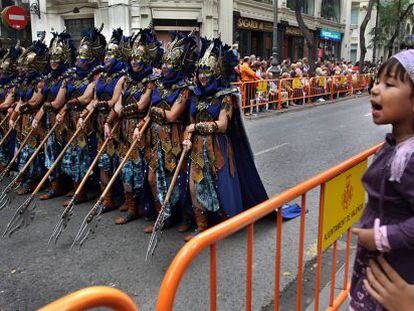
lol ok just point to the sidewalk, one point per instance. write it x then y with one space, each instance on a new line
269 113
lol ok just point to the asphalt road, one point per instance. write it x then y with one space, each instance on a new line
289 148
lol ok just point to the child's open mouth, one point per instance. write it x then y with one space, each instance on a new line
376 106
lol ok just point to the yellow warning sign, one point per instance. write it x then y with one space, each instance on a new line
262 86
344 203
322 81
297 84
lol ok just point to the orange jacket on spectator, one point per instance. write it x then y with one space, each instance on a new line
247 74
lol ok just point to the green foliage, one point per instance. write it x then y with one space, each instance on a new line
389 18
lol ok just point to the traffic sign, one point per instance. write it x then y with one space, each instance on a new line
14 17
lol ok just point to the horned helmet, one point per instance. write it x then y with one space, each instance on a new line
146 49
217 60
181 53
92 46
35 58
61 48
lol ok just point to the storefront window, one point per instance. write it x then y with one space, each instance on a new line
308 8
75 27
331 10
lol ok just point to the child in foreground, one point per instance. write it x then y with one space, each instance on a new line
387 225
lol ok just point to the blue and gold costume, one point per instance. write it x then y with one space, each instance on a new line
81 152
165 135
61 58
8 74
104 92
33 63
145 54
223 177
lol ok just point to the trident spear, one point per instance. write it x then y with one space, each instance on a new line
8 132
9 166
4 119
14 184
96 210
159 223
25 213
67 213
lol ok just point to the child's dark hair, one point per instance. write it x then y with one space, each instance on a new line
393 68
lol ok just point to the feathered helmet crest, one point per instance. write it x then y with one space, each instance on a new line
118 46
92 45
8 62
217 59
35 57
61 48
181 52
146 48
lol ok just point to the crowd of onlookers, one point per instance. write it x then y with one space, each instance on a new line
290 83
255 68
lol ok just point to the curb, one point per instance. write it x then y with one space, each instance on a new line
271 113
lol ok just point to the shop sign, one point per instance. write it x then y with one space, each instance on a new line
251 24
293 31
331 35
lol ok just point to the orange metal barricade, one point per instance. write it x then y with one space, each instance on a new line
341 85
278 94
257 94
318 87
247 219
93 297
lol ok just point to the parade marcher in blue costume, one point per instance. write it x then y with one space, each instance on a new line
80 92
62 56
107 93
223 177
132 107
8 74
32 67
169 108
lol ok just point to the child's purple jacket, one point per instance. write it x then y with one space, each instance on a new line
393 204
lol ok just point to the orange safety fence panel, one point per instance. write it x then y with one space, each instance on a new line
210 237
258 93
93 297
318 87
280 93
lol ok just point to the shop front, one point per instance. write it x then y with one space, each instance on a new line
294 44
329 46
254 37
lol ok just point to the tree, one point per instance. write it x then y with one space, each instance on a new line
403 13
392 15
313 52
362 35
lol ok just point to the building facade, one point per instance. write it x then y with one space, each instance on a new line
246 22
356 16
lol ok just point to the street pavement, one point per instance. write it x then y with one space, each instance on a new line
289 148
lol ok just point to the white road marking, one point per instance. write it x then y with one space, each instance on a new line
270 149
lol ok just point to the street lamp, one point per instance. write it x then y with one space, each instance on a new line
275 47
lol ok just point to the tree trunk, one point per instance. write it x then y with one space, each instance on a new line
362 44
313 52
397 28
